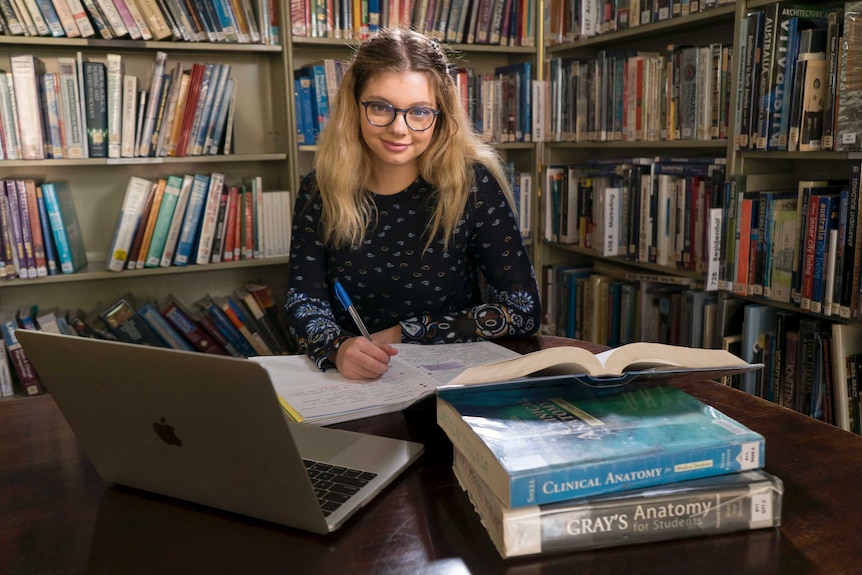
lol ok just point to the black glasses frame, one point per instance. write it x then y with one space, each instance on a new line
402 111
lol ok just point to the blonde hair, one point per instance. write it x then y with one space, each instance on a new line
342 162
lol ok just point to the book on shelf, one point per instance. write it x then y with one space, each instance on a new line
759 320
30 209
70 109
267 328
96 108
224 325
849 125
20 227
6 381
51 260
27 376
50 102
555 440
612 368
148 225
26 70
209 219
83 326
187 323
141 227
157 78
165 331
129 115
175 108
127 325
164 218
248 329
308 394
709 506
9 117
846 342
65 228
131 213
262 293
177 219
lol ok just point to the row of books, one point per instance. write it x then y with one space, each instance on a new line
522 197
247 323
680 94
811 364
568 21
606 304
497 22
39 230
92 109
242 21
795 91
794 241
198 219
500 104
553 466
664 211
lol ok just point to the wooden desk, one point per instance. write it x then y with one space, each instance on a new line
58 516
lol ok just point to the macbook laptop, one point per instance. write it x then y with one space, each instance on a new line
210 430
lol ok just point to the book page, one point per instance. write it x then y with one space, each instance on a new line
645 355
564 359
417 370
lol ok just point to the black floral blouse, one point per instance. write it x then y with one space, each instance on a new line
434 294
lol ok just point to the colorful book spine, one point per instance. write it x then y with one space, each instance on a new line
189 328
170 197
176 222
68 239
48 233
26 70
227 330
127 222
127 325
163 330
191 221
27 376
96 109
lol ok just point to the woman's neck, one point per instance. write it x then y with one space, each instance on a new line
391 180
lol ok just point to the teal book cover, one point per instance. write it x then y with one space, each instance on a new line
536 444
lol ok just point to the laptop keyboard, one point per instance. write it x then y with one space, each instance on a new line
335 485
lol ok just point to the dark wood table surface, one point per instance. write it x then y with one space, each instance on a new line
58 516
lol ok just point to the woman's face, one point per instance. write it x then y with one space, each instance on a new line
396 145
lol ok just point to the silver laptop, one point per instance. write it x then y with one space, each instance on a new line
210 430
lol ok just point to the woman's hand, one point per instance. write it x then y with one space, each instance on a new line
360 358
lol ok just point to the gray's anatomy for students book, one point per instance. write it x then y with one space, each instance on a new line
727 503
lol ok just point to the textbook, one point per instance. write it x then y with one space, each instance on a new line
555 440
722 504
310 395
617 366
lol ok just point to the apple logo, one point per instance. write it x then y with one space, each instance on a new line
166 433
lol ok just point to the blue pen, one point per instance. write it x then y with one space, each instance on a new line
348 305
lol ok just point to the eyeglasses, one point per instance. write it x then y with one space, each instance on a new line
417 118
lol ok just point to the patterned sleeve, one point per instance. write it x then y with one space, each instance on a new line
310 318
512 306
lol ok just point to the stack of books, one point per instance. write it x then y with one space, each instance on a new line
576 462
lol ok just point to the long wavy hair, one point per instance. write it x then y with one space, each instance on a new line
342 163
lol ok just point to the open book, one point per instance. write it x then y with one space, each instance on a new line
612 367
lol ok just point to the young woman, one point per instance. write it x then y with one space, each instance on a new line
408 210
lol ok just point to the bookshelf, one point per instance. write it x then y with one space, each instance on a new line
753 321
579 149
261 147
